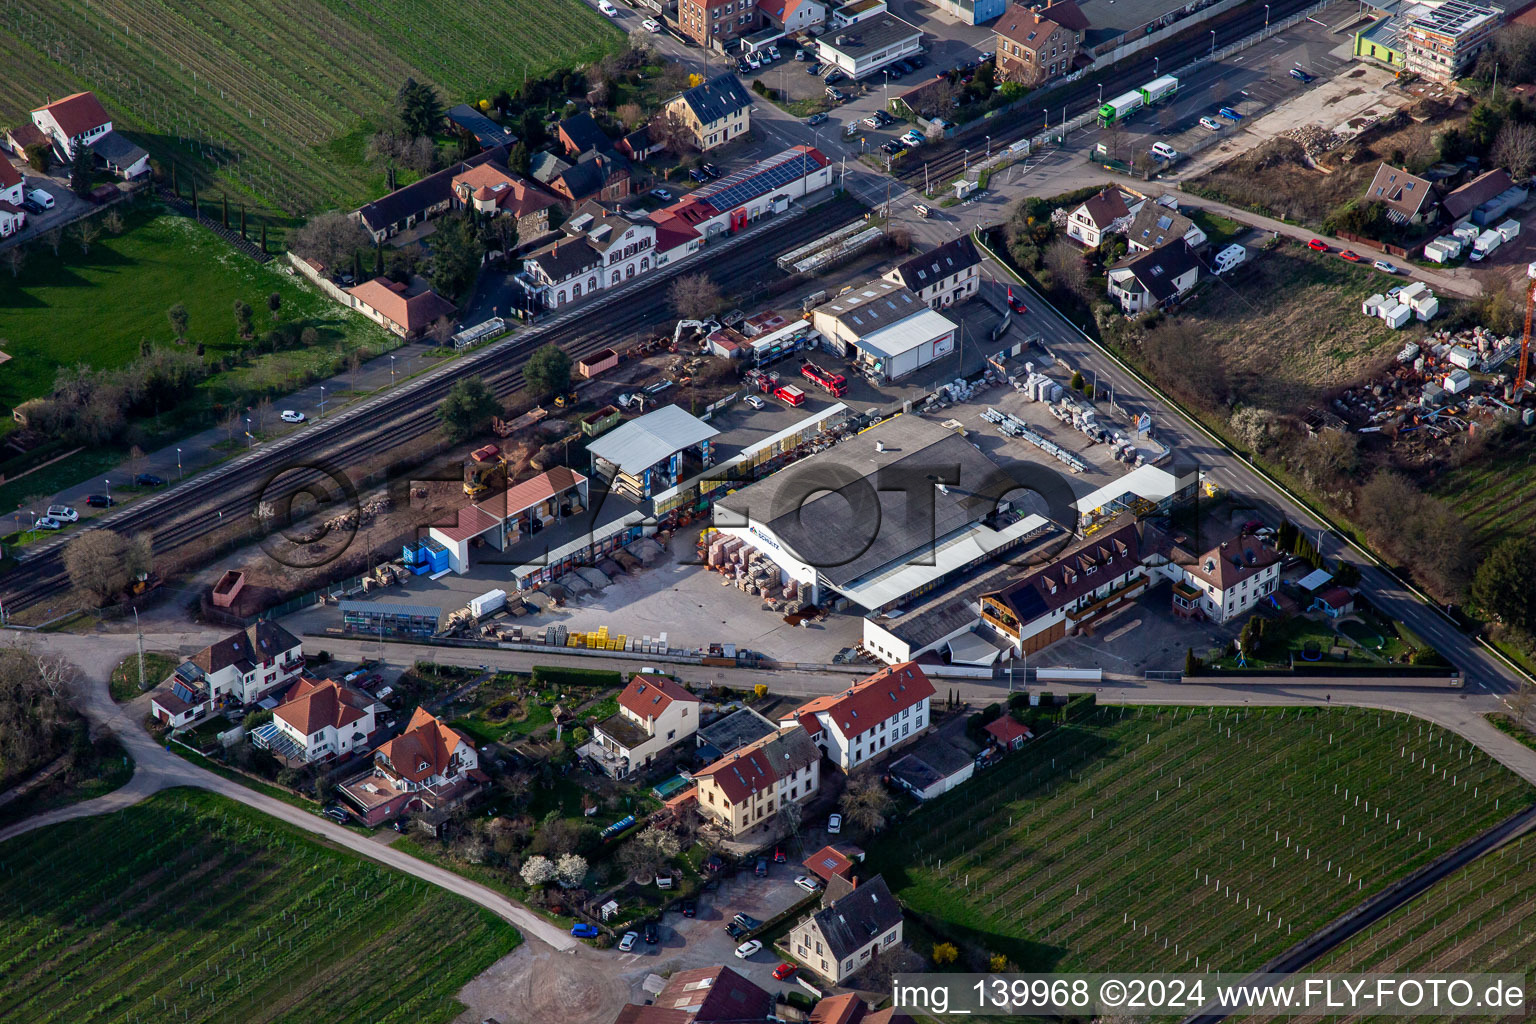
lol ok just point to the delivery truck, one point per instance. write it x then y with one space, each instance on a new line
1486 242
1158 89
1120 108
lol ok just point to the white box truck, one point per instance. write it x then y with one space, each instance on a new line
488 603
1486 242
1119 108
1509 230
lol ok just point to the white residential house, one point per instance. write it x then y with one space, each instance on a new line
74 121
1107 213
12 217
247 665
1226 582
325 719
604 250
746 788
849 931
941 277
1155 278
1158 224
874 715
791 16
655 713
180 702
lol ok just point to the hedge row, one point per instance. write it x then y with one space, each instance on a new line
560 676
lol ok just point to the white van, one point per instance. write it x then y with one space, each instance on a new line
1165 151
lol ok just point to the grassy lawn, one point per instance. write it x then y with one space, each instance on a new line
1474 920
1508 725
1291 637
299 124
1493 492
97 307
1166 817
189 906
1220 230
125 678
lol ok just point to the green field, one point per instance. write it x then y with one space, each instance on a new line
276 95
96 307
192 908
1139 839
1474 921
1495 493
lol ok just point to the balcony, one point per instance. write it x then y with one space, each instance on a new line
1109 600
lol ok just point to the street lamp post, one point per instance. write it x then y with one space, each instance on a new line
1213 42
108 485
965 162
391 369
1266 17
249 440
322 401
989 147
1154 67
887 100
1101 92
178 464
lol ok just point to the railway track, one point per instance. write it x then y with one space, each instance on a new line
395 420
946 160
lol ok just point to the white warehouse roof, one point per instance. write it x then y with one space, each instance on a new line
905 335
641 443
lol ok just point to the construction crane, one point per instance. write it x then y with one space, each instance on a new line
1525 337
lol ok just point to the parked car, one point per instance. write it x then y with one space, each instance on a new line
1384 266
149 480
651 25
652 933
100 501
63 513
906 67
291 416
627 943
747 949
336 814
1301 76
807 883
1317 245
917 60
814 69
690 908
47 523
735 930
1163 151
664 194
893 70
31 206
803 55
584 931
41 198
1230 114
1210 124
816 119
743 68
834 76
712 172
893 147
784 970
754 61
779 856
834 824
747 921
607 8
762 867
835 95
1350 255
913 138
872 121
773 51
698 175
755 402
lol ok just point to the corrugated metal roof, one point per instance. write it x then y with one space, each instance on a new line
641 443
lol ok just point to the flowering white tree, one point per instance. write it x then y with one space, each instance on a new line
570 870
538 870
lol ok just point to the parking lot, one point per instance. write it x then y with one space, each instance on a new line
702 941
66 205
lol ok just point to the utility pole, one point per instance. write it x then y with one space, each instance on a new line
141 648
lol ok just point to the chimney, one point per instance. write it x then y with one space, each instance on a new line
854 882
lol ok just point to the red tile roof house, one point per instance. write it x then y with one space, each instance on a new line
654 714
326 720
402 309
703 995
77 119
12 217
491 191
831 862
874 715
1008 734
427 767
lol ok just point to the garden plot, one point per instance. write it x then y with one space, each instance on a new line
194 909
1189 839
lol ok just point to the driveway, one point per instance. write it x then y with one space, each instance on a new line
703 941
66 205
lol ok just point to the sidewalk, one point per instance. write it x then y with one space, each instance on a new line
209 447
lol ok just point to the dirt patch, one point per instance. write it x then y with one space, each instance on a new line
534 984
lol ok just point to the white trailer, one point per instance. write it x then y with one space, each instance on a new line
488 603
1120 108
1442 250
1230 257
1509 230
1396 315
1159 89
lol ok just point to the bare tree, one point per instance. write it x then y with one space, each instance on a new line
647 853
442 331
1515 148
113 222
631 115
331 237
670 131
694 296
865 802
54 238
1066 266
96 565
86 232
15 259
